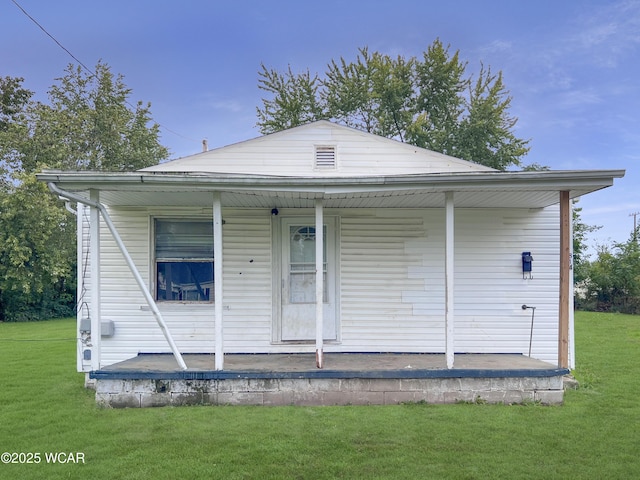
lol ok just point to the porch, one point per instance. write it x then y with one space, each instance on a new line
347 379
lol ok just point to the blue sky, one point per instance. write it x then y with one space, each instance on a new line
572 67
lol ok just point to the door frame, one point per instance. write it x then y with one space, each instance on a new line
333 262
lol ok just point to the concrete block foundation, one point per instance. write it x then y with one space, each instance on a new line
318 391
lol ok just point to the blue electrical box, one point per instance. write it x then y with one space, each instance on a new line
527 264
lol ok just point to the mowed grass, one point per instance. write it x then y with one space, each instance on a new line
596 434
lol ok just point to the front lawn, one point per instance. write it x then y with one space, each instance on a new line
44 409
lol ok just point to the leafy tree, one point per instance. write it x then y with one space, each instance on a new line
295 100
614 278
581 265
13 102
372 94
428 102
88 124
37 253
440 99
486 133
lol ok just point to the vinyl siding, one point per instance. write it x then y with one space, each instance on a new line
246 298
489 287
391 295
292 152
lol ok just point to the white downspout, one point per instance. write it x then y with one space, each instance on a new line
94 282
139 280
79 284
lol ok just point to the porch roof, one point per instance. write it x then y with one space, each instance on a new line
482 189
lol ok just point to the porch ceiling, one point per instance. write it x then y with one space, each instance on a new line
389 199
479 190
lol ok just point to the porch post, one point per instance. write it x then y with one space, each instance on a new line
449 279
94 259
565 277
217 280
319 282
572 338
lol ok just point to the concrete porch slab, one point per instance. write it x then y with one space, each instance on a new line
336 365
293 379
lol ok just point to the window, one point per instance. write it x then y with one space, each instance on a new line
302 264
184 260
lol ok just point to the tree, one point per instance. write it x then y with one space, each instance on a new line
372 94
37 253
486 133
427 102
87 124
295 100
440 99
614 278
581 264
13 102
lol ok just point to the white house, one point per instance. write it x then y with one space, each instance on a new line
218 253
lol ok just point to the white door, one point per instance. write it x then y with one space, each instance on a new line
299 279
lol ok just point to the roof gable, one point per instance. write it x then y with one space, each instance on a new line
319 149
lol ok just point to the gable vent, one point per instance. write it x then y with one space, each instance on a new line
326 157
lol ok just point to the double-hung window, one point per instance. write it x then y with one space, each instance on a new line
184 260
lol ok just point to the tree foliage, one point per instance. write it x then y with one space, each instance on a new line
429 102
613 278
581 263
87 124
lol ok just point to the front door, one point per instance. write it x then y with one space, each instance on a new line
298 283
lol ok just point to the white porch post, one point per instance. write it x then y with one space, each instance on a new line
319 282
217 280
94 259
449 278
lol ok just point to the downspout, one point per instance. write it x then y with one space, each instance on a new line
139 280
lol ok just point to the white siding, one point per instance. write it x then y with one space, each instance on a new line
247 289
386 259
391 284
490 290
393 281
292 153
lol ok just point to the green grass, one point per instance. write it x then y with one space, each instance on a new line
596 434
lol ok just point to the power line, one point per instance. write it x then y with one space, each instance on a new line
52 37
87 68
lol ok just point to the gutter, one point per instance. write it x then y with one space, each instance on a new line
139 280
561 180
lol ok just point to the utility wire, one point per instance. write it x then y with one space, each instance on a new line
52 37
87 68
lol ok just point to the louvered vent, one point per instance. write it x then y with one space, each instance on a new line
325 157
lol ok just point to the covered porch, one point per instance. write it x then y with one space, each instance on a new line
346 379
446 193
